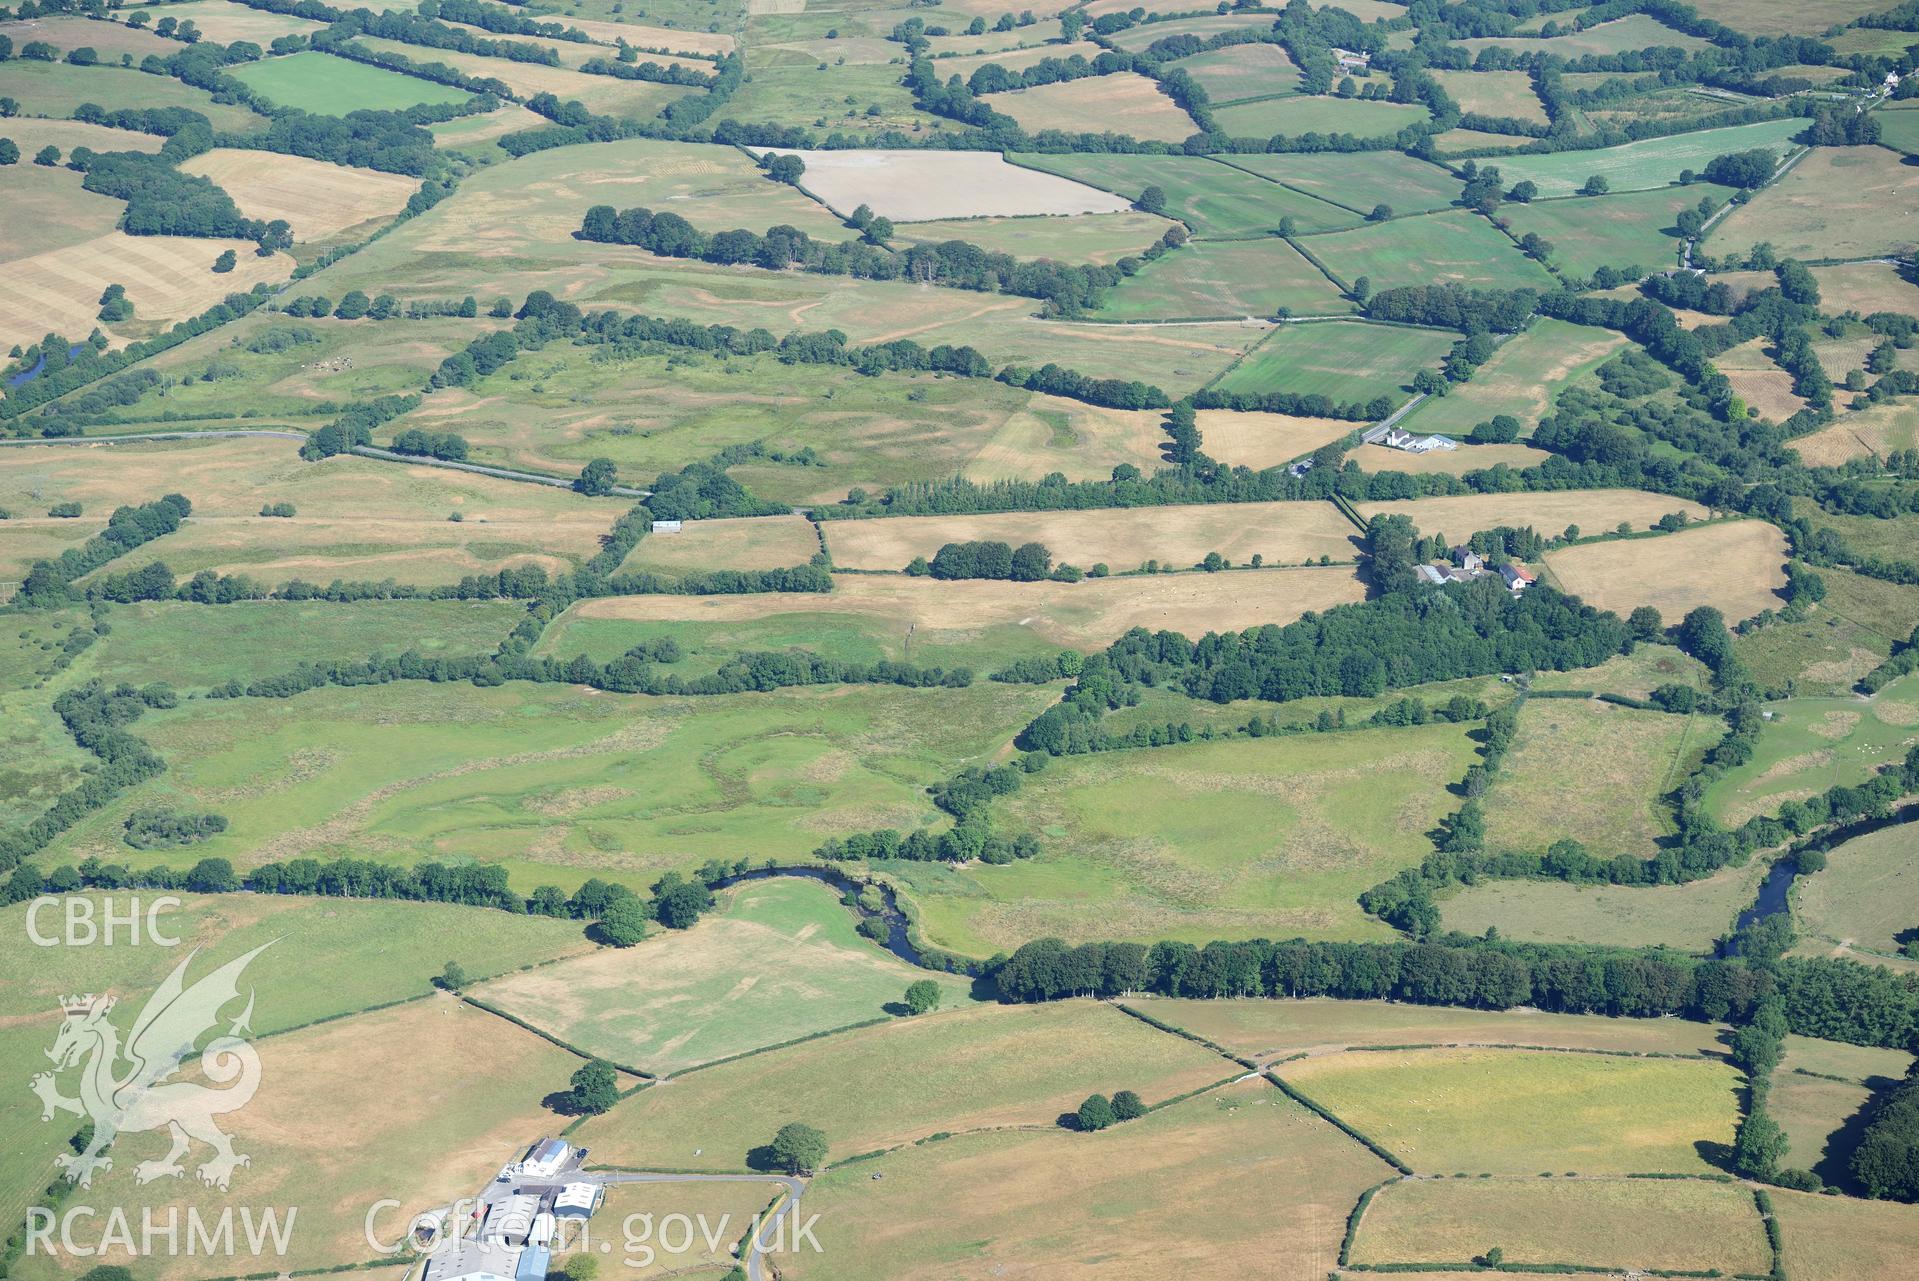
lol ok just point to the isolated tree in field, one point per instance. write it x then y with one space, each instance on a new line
1759 1147
9 152
597 478
595 1089
1646 624
923 996
225 262
1523 190
1128 1106
1362 288
1597 185
453 977
48 155
678 902
624 922
799 1149
1152 200
1096 1113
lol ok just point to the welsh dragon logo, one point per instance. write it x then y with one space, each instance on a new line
124 1088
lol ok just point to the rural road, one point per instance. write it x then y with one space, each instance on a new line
787 1210
365 451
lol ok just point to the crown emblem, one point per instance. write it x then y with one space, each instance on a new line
89 1004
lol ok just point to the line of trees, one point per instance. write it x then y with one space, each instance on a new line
49 582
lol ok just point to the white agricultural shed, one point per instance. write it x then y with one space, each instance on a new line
578 1200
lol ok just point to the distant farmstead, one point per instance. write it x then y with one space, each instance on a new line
1467 564
1395 438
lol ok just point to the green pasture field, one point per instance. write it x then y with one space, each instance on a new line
1871 42
1080 238
1607 769
1443 248
1259 838
39 761
848 637
1636 675
437 256
1822 655
901 1081
1239 1173
815 96
190 645
1226 278
1135 39
287 371
1527 1112
56 89
1632 229
556 783
1688 917
1360 181
1656 162
327 958
326 85
634 100
1212 198
1888 609
1900 129
1811 744
1507 94
1158 706
1819 1118
1523 378
1666 107
1626 1223
1456 142
780 960
1868 894
1344 361
554 410
1621 35
1241 71
1294 115
714 188
1851 632
1839 202
1787 20
1263 1029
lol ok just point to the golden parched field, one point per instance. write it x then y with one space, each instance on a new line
1123 538
1842 1239
1526 1112
1622 1223
1838 202
1737 567
411 1147
1878 431
1261 440
1605 768
752 542
318 199
1126 103
168 278
1550 511
1199 1189
225 21
1087 615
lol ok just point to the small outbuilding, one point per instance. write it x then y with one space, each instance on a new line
578 1201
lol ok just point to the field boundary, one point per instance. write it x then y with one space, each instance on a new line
1326 1114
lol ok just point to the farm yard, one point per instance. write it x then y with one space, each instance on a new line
1107 641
